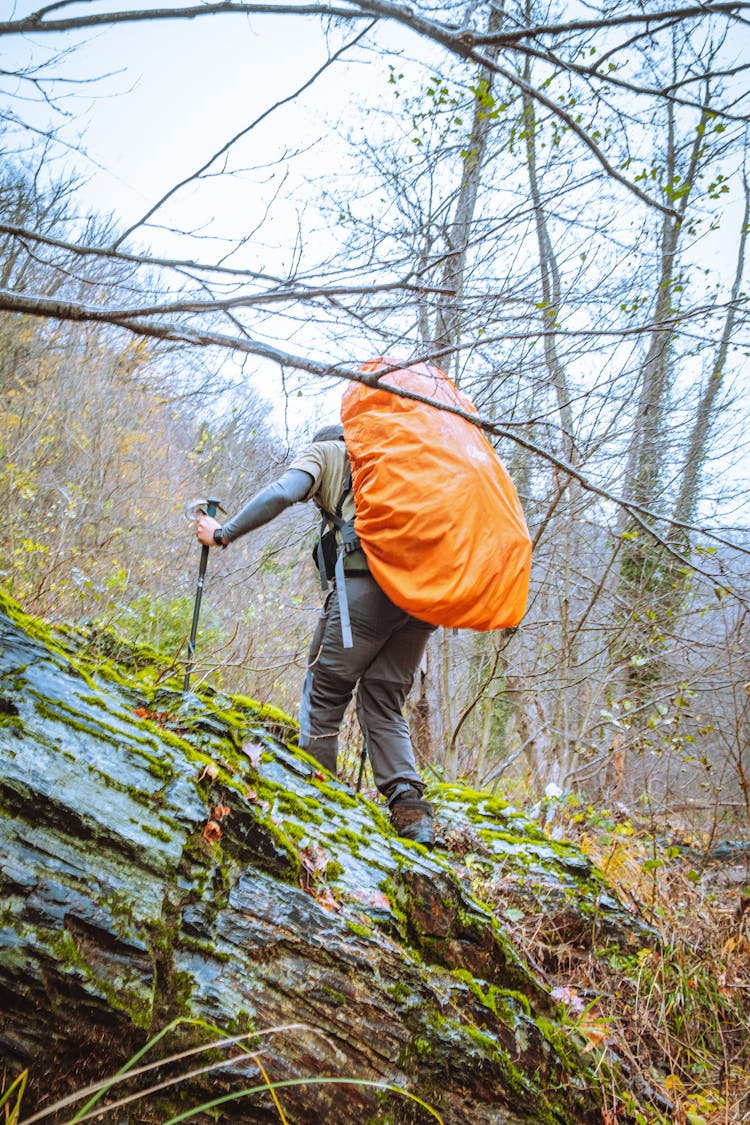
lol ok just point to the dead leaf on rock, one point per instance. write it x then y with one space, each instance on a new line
324 897
252 796
253 752
212 832
314 859
210 770
157 717
314 863
595 1034
375 899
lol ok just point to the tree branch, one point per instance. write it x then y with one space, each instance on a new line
36 23
242 133
71 311
462 42
690 11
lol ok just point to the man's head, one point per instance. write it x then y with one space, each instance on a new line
333 432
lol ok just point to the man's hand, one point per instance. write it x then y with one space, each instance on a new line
205 527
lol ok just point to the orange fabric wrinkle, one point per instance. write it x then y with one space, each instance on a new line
438 516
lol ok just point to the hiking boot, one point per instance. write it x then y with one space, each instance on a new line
412 819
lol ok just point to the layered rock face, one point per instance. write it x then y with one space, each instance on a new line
174 873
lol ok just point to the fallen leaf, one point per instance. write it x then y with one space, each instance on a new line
158 717
252 796
212 832
209 770
253 752
324 897
595 1035
314 859
375 899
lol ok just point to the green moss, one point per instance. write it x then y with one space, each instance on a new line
173 988
71 716
293 830
348 839
105 732
294 866
157 833
357 928
565 1042
241 1024
120 997
333 994
261 840
335 793
301 807
273 718
122 908
393 893
61 944
513 996
263 710
505 1003
400 991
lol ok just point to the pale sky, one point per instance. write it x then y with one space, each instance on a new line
175 92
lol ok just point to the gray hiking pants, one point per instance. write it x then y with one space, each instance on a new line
387 648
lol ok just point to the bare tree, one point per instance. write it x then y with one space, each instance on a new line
529 224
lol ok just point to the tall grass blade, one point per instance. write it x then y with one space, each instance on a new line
129 1070
206 1107
18 1085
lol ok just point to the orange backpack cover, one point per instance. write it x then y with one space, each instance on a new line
438 516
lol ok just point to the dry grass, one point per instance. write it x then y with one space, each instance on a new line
677 1012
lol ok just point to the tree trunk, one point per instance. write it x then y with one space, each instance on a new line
687 499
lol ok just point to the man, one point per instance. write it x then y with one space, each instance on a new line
379 660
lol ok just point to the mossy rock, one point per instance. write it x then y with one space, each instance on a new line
157 877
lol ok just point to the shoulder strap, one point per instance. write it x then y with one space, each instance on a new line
349 543
331 520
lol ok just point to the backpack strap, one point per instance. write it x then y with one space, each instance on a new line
349 543
331 522
346 627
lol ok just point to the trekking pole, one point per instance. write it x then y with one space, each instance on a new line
362 760
209 508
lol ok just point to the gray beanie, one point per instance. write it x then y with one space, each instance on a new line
334 432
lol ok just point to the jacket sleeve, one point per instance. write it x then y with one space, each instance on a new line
293 486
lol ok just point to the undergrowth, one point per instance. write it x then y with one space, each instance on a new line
676 1011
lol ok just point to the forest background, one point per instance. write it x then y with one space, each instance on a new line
212 213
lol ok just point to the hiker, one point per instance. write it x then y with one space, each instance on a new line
378 660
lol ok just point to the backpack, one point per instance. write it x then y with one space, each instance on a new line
438 516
